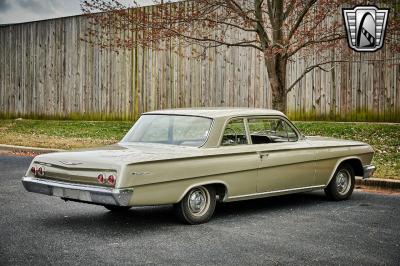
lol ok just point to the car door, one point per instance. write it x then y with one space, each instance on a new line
239 161
285 160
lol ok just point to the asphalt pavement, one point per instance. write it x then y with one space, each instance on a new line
297 229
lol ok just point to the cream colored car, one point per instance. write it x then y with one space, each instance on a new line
193 158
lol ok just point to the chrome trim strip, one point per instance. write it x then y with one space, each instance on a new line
246 127
80 192
282 117
68 185
221 135
368 171
246 117
283 191
72 168
254 152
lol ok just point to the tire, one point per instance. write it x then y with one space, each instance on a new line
197 206
115 208
342 184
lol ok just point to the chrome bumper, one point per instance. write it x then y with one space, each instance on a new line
78 192
368 171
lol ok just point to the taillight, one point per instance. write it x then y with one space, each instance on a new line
33 170
37 170
111 180
100 178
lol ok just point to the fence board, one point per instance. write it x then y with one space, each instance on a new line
48 71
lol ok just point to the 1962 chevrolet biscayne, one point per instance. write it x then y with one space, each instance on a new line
194 157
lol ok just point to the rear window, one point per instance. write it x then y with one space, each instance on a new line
170 129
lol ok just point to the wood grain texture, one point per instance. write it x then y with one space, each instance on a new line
46 70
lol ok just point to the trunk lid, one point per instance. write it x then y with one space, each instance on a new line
84 166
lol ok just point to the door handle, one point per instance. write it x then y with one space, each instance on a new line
263 154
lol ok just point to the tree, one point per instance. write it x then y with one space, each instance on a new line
278 29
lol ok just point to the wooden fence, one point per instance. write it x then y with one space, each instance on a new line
47 71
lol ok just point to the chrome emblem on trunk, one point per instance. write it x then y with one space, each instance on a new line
69 163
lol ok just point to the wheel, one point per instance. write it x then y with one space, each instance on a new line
115 208
342 184
197 206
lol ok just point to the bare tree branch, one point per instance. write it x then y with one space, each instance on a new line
309 68
241 11
300 18
260 28
288 10
228 24
319 65
249 43
329 38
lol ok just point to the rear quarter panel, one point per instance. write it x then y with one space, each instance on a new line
167 181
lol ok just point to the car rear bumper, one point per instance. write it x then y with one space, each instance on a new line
368 171
78 192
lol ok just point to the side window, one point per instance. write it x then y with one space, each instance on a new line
234 133
270 130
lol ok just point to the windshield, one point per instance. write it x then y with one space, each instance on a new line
170 129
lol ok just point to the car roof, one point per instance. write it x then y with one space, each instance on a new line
218 112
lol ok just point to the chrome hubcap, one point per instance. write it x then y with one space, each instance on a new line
198 201
343 181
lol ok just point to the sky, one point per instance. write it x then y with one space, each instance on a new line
16 11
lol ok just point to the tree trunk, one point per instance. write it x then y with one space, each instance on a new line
276 67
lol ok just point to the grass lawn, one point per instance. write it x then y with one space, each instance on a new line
385 138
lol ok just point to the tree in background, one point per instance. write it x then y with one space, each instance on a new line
277 28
